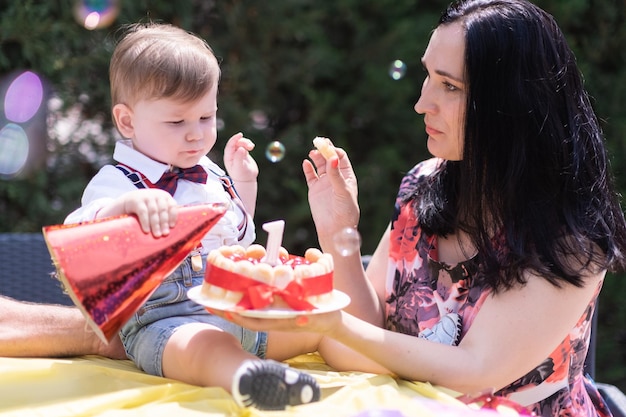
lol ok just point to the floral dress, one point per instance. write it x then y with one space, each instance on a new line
420 291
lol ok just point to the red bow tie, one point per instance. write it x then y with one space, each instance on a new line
169 180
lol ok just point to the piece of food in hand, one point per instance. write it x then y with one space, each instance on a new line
240 276
325 146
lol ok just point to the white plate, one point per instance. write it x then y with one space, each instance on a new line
339 301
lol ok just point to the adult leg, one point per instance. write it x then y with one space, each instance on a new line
30 329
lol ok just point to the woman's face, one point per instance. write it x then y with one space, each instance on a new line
444 92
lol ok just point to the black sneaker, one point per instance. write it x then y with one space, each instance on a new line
270 385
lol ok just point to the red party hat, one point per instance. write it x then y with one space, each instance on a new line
110 267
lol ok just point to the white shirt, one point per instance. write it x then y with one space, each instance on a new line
110 183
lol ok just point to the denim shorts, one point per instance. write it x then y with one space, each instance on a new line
144 336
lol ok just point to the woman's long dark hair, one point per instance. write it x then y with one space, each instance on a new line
534 189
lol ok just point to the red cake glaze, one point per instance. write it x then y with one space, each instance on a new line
243 277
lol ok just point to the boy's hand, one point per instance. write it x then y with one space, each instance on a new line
156 210
237 159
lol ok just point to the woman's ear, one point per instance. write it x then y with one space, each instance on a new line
123 117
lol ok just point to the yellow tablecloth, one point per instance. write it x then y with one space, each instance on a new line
96 386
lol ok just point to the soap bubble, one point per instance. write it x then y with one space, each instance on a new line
275 151
259 119
13 149
96 14
23 97
347 241
22 122
397 69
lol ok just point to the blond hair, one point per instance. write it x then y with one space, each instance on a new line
155 60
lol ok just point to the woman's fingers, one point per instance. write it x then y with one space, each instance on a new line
310 174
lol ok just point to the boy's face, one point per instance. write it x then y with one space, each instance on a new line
172 132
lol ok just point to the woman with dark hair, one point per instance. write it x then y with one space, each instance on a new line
488 275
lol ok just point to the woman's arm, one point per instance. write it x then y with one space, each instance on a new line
378 267
513 332
28 330
334 207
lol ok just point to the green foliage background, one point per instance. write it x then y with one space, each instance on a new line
312 68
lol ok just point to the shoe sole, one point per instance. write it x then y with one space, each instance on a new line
269 385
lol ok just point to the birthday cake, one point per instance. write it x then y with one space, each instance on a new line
242 277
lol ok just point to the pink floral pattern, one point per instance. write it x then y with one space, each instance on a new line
421 290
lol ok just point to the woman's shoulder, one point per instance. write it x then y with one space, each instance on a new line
417 174
425 168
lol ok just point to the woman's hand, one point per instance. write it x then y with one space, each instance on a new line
322 323
334 206
333 192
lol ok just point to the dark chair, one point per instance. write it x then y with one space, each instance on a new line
614 397
26 270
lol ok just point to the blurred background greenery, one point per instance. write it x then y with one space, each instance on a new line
291 70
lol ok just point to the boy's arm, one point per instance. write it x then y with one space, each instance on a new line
243 170
109 194
247 191
155 209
